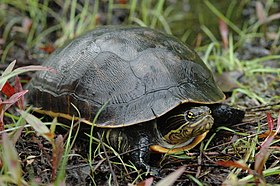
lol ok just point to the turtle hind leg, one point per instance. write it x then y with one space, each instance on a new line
226 115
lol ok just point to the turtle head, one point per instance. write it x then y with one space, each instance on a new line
184 130
182 127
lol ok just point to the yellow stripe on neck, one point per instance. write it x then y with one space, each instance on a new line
160 149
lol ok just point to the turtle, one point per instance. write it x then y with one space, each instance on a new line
146 90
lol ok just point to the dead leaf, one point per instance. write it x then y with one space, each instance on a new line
18 88
227 81
171 178
146 182
38 125
260 12
30 160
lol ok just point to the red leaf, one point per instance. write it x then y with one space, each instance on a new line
8 90
262 155
278 124
13 99
270 131
267 133
2 128
146 182
57 155
1 104
235 164
48 48
224 32
266 143
1 116
122 1
18 88
269 121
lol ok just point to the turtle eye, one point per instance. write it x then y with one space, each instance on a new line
190 115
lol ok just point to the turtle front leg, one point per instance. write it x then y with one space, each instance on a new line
131 139
140 154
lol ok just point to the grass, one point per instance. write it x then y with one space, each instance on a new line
220 54
257 176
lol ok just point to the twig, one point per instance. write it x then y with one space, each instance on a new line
263 107
199 167
108 159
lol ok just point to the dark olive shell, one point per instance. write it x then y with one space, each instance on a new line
137 73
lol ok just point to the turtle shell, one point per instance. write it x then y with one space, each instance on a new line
134 74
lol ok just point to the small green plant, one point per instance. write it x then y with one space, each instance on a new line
10 161
258 174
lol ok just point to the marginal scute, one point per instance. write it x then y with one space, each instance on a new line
137 73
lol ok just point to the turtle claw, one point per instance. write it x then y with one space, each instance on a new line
154 171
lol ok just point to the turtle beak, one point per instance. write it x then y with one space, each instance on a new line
197 140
